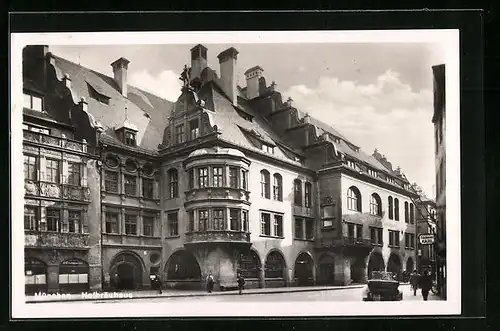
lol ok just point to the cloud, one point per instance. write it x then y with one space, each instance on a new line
387 114
166 84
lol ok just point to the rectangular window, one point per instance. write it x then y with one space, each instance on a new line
173 224
131 224
218 221
173 184
74 173
30 218
268 149
394 238
130 138
30 167
53 219
308 188
191 178
309 229
234 218
130 185
233 177
278 225
359 231
148 188
33 102
190 226
265 224
202 220
179 134
194 129
148 226
203 177
75 221
217 177
373 235
298 192
350 230
244 178
299 228
111 222
380 237
111 181
52 173
244 220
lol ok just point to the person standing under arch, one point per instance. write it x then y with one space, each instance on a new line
210 282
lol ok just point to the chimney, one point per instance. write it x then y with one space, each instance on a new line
198 60
120 67
253 76
227 60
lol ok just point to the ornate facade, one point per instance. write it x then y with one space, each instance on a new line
227 179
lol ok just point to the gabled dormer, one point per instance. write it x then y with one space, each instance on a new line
127 133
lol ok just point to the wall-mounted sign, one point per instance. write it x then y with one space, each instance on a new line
426 239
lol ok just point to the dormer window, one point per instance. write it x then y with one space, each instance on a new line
179 134
372 172
97 93
130 138
351 164
268 149
33 102
194 128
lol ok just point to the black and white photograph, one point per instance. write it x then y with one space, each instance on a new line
297 173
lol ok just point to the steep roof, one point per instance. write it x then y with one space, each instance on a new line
148 112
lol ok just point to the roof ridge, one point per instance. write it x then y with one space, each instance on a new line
102 74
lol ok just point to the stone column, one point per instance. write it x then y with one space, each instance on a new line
121 223
64 170
140 227
52 278
262 277
65 220
289 280
43 167
313 267
342 270
139 185
95 277
84 174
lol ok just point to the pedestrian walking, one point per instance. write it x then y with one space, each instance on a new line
241 282
425 283
210 282
159 283
414 277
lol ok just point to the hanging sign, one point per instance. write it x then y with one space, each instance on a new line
426 239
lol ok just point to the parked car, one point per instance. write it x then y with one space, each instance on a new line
382 287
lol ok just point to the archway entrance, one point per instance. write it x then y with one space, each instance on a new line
182 265
409 265
275 268
35 276
394 265
326 274
126 272
249 265
304 270
375 263
358 270
73 276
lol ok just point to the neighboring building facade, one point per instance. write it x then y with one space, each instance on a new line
439 120
226 180
426 255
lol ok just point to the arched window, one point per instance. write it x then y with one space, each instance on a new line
297 188
396 209
275 265
265 190
407 212
375 205
308 193
412 214
277 187
173 183
390 206
353 199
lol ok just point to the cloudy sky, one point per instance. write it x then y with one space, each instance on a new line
378 95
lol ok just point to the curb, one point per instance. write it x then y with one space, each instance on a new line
203 294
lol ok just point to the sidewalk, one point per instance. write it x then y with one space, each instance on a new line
129 295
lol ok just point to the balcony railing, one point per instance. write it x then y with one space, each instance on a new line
54 190
34 239
303 211
217 193
352 241
80 146
218 236
122 239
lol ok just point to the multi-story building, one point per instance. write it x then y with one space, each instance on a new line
227 179
439 120
426 216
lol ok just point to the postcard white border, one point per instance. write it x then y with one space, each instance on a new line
447 40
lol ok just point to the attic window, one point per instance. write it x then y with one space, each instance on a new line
268 148
97 95
390 180
372 172
130 138
33 102
351 164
